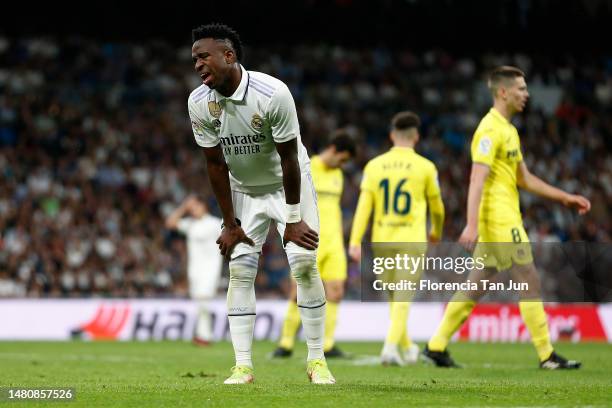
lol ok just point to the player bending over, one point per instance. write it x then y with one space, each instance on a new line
259 170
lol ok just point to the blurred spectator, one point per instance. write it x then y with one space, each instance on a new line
96 149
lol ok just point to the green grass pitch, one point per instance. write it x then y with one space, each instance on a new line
175 374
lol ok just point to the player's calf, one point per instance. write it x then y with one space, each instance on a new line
310 300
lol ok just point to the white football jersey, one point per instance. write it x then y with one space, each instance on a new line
247 124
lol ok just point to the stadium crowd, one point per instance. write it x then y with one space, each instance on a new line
96 149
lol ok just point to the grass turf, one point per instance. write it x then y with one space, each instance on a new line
173 374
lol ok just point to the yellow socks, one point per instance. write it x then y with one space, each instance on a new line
290 326
405 340
532 312
399 320
331 317
534 317
454 316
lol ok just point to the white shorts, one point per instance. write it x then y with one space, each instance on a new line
204 282
256 211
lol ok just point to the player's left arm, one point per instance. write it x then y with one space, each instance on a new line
360 223
436 206
296 230
285 130
528 181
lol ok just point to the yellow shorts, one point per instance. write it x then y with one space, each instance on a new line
412 250
331 262
502 246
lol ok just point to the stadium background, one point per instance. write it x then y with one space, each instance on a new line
96 146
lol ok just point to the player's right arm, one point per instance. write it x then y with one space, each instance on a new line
483 151
218 175
478 176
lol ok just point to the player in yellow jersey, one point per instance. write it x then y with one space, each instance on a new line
399 186
331 258
494 224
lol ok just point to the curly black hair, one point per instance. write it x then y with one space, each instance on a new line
219 31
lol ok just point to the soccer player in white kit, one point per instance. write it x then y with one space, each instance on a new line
259 170
204 262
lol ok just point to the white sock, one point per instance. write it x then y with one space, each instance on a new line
310 300
241 328
389 348
241 305
204 325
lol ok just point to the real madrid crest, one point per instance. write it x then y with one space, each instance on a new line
215 109
257 122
